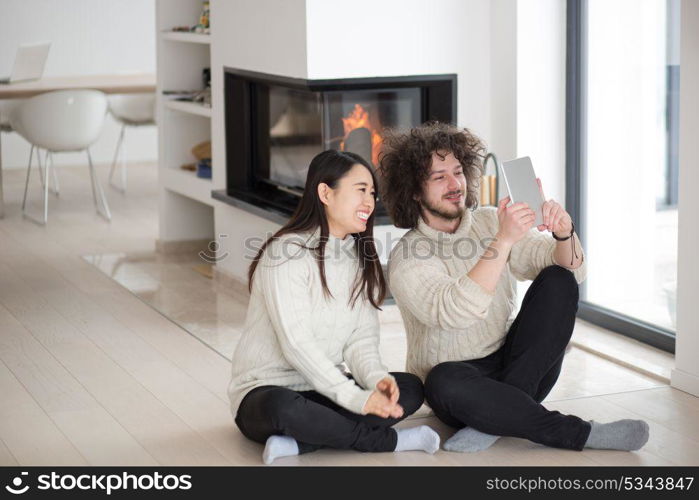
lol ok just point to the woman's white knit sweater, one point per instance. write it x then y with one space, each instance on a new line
447 315
294 337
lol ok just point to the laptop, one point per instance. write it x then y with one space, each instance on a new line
29 62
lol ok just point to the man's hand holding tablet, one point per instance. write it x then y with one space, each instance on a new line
556 219
525 188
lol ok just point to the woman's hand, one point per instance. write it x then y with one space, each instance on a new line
389 388
378 404
515 221
556 219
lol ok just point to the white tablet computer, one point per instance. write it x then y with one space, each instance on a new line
520 180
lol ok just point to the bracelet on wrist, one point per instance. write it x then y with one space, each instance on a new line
574 254
572 230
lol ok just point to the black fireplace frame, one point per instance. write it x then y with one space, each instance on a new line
438 102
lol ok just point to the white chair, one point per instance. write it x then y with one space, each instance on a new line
62 121
6 109
131 110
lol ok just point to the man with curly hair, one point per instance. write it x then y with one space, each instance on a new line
453 276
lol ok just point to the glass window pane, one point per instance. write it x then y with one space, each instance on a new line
630 189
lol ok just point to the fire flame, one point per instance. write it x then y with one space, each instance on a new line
359 118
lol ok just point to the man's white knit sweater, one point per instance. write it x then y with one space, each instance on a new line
294 337
447 315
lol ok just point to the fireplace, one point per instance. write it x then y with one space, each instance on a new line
275 125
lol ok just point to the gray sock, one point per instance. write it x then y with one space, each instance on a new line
279 446
624 434
417 438
469 439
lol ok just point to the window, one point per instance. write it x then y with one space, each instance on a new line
623 74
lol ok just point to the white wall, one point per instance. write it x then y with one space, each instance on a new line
406 37
88 37
261 35
503 80
685 376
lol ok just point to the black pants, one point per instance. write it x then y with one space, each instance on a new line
315 421
501 393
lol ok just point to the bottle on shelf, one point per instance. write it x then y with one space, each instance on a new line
489 182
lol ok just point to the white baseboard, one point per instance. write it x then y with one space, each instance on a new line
687 382
185 246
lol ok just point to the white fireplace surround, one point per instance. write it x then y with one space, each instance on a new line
476 39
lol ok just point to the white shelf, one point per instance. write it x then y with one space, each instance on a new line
189 107
186 183
183 36
185 204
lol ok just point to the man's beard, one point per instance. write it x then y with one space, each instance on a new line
438 212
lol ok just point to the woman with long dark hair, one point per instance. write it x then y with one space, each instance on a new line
315 288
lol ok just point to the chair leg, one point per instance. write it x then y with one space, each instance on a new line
41 172
46 190
42 169
26 183
92 183
119 155
97 188
54 172
116 156
123 164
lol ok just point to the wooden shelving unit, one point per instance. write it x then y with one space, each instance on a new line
185 204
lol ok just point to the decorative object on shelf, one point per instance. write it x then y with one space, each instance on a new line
489 182
203 26
202 150
202 97
177 94
204 168
206 93
206 76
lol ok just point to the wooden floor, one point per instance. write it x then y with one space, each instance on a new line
90 374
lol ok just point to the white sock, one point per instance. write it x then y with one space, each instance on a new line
279 446
469 439
417 438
